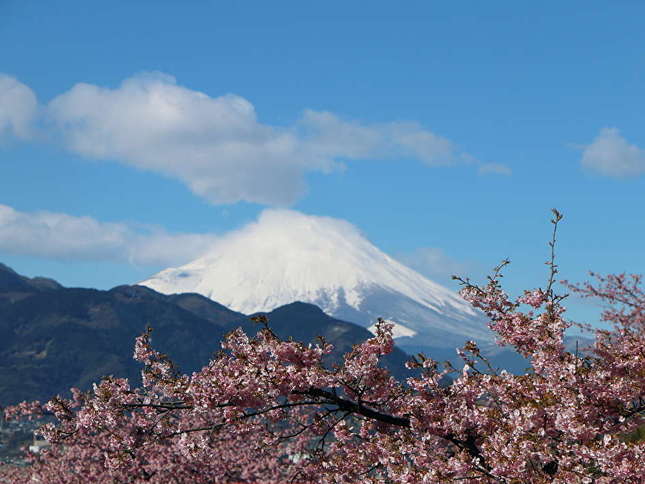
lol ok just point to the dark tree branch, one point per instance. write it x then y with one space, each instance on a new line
349 406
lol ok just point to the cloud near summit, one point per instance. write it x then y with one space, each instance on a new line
73 237
218 147
83 238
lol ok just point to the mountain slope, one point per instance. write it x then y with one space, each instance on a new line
53 339
12 282
287 256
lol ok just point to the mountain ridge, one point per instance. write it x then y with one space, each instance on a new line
51 340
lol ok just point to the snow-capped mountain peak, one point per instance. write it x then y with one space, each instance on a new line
288 256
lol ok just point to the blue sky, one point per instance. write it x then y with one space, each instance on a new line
132 133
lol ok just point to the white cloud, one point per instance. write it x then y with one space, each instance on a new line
610 154
18 107
215 145
435 264
62 236
218 147
329 136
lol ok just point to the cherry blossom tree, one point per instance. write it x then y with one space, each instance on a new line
268 410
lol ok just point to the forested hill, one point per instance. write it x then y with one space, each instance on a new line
53 337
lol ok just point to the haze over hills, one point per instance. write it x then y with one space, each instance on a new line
287 256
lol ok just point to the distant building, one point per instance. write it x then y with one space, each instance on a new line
38 445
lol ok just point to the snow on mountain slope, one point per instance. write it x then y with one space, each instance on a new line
288 256
398 331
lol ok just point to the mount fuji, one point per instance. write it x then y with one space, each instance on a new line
287 256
